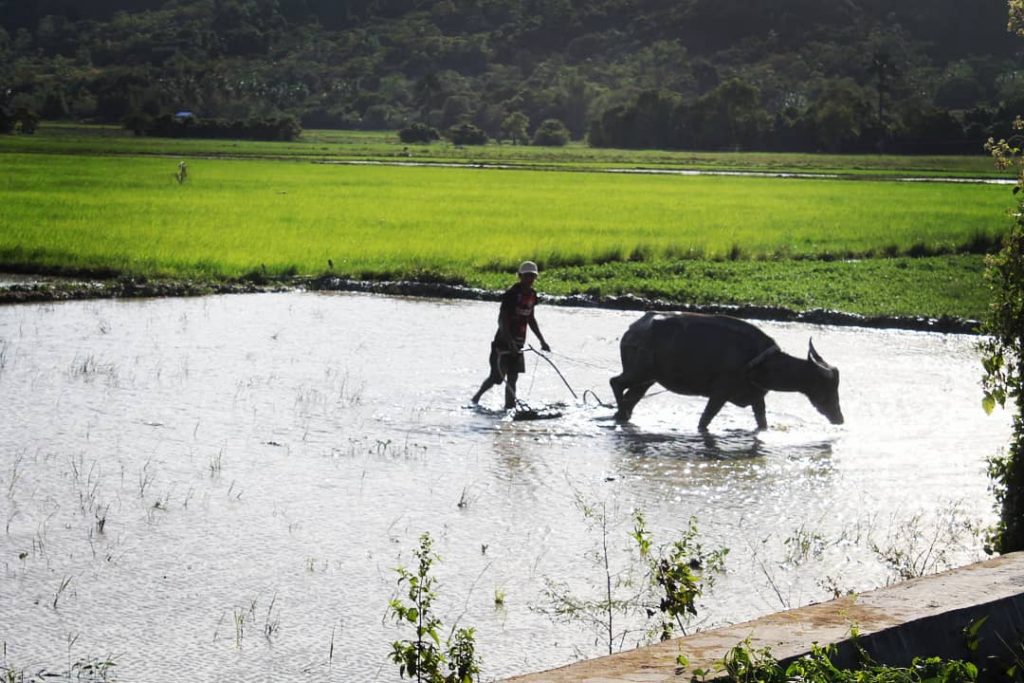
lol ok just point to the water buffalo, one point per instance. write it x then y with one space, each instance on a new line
723 358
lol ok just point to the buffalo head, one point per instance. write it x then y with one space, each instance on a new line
824 388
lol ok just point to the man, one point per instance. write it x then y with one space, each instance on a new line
515 316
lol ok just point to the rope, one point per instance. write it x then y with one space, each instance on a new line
588 364
597 399
552 364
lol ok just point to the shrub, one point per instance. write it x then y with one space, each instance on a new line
551 133
467 134
419 132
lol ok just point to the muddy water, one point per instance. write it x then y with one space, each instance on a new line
220 488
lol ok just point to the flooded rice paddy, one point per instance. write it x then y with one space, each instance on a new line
220 488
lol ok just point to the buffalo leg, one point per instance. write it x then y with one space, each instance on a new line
619 384
630 398
759 415
710 410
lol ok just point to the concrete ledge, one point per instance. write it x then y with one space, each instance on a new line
922 617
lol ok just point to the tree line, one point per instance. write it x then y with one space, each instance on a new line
842 120
856 75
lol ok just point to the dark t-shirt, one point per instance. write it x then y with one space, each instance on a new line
517 304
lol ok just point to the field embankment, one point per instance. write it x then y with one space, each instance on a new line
865 246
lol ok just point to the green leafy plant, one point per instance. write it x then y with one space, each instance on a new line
649 597
425 658
676 575
1003 350
747 664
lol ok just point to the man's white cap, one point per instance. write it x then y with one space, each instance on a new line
528 267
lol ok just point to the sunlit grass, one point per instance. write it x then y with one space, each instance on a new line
232 217
97 200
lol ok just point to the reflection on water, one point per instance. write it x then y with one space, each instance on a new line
223 486
733 444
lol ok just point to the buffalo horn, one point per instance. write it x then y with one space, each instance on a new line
813 355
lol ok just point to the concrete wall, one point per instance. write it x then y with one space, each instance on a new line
922 617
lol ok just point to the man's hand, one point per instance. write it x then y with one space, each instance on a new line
544 346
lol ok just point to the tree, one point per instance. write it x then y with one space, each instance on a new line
514 126
840 115
730 116
551 133
455 110
1003 348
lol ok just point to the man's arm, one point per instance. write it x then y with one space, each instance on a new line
536 331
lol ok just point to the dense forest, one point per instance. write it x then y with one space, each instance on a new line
835 75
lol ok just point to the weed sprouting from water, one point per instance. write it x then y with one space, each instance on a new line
87 367
346 391
911 549
803 545
101 519
243 617
88 670
146 478
85 483
330 651
272 621
217 463
64 584
3 355
15 474
922 544
239 622
832 587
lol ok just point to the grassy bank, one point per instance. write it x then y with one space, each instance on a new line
864 246
933 286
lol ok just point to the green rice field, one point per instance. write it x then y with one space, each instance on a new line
870 245
336 145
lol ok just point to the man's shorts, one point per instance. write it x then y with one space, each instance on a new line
503 361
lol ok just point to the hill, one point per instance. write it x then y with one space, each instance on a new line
837 75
